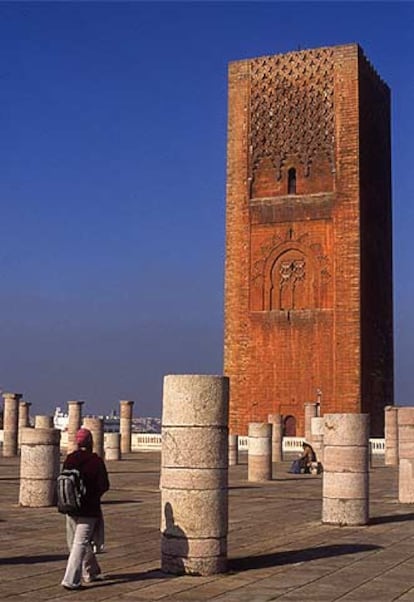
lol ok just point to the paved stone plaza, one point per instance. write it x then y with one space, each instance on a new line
278 548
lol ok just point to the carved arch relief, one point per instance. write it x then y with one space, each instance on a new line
291 280
290 272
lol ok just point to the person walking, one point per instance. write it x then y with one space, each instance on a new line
84 527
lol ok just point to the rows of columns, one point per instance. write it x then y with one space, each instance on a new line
195 458
16 418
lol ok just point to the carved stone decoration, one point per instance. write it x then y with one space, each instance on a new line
292 109
292 273
289 287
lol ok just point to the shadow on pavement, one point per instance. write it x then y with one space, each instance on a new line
111 579
114 502
392 518
295 556
33 559
244 487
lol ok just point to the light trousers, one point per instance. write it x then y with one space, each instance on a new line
82 563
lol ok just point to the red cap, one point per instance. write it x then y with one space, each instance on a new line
84 437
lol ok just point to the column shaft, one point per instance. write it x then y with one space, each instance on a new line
125 426
39 467
317 426
391 435
10 424
405 417
194 475
44 422
96 426
311 411
74 423
24 420
112 443
345 476
233 450
277 436
259 459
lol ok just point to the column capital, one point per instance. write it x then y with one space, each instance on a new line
78 403
16 396
126 402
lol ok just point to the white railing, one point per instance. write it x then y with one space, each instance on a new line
377 446
145 441
152 441
292 444
243 443
148 441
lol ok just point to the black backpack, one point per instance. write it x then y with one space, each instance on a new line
71 491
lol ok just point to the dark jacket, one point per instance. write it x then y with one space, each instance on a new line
95 477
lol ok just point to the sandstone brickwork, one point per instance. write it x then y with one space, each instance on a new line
308 286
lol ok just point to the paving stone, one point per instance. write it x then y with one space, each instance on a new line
278 548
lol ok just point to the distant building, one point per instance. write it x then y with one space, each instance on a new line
112 422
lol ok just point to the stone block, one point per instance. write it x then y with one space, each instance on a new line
346 429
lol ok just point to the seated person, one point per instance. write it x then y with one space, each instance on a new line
303 464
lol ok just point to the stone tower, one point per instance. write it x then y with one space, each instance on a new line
308 289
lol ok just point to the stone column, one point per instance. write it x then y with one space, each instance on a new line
96 426
125 426
112 446
277 436
194 474
391 435
43 422
74 423
311 411
39 467
405 417
10 423
233 450
345 476
259 458
317 426
24 420
24 408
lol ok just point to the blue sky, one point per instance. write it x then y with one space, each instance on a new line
112 190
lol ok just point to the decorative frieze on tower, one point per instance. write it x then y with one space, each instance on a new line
291 112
